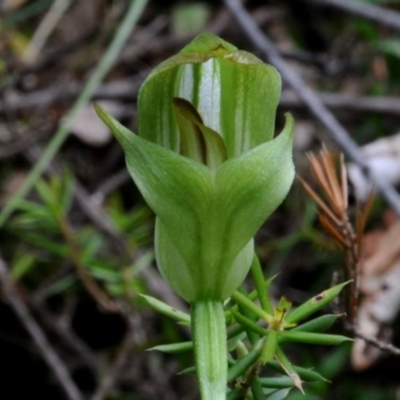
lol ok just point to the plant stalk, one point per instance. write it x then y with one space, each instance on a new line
209 338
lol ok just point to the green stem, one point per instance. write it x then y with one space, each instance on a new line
209 337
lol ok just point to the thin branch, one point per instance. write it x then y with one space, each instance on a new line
386 347
48 353
388 18
347 102
95 213
308 96
122 89
126 89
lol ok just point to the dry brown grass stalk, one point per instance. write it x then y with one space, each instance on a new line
331 196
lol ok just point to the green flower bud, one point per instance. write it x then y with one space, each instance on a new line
206 162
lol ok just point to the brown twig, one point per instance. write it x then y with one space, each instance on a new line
46 350
386 347
339 101
388 18
122 89
96 214
308 96
126 89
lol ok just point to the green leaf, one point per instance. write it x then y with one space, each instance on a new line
261 285
251 333
188 371
236 394
307 375
22 264
34 216
61 286
144 260
244 301
174 348
288 368
278 394
244 364
48 196
164 179
101 272
240 348
256 388
312 338
251 186
248 324
318 324
250 296
45 243
269 346
277 382
166 309
237 331
314 304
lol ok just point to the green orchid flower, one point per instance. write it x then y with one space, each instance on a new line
206 162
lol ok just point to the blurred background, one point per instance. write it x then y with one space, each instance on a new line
76 236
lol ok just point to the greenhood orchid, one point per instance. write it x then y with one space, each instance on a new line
206 162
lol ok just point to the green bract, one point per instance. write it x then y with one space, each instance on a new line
206 162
